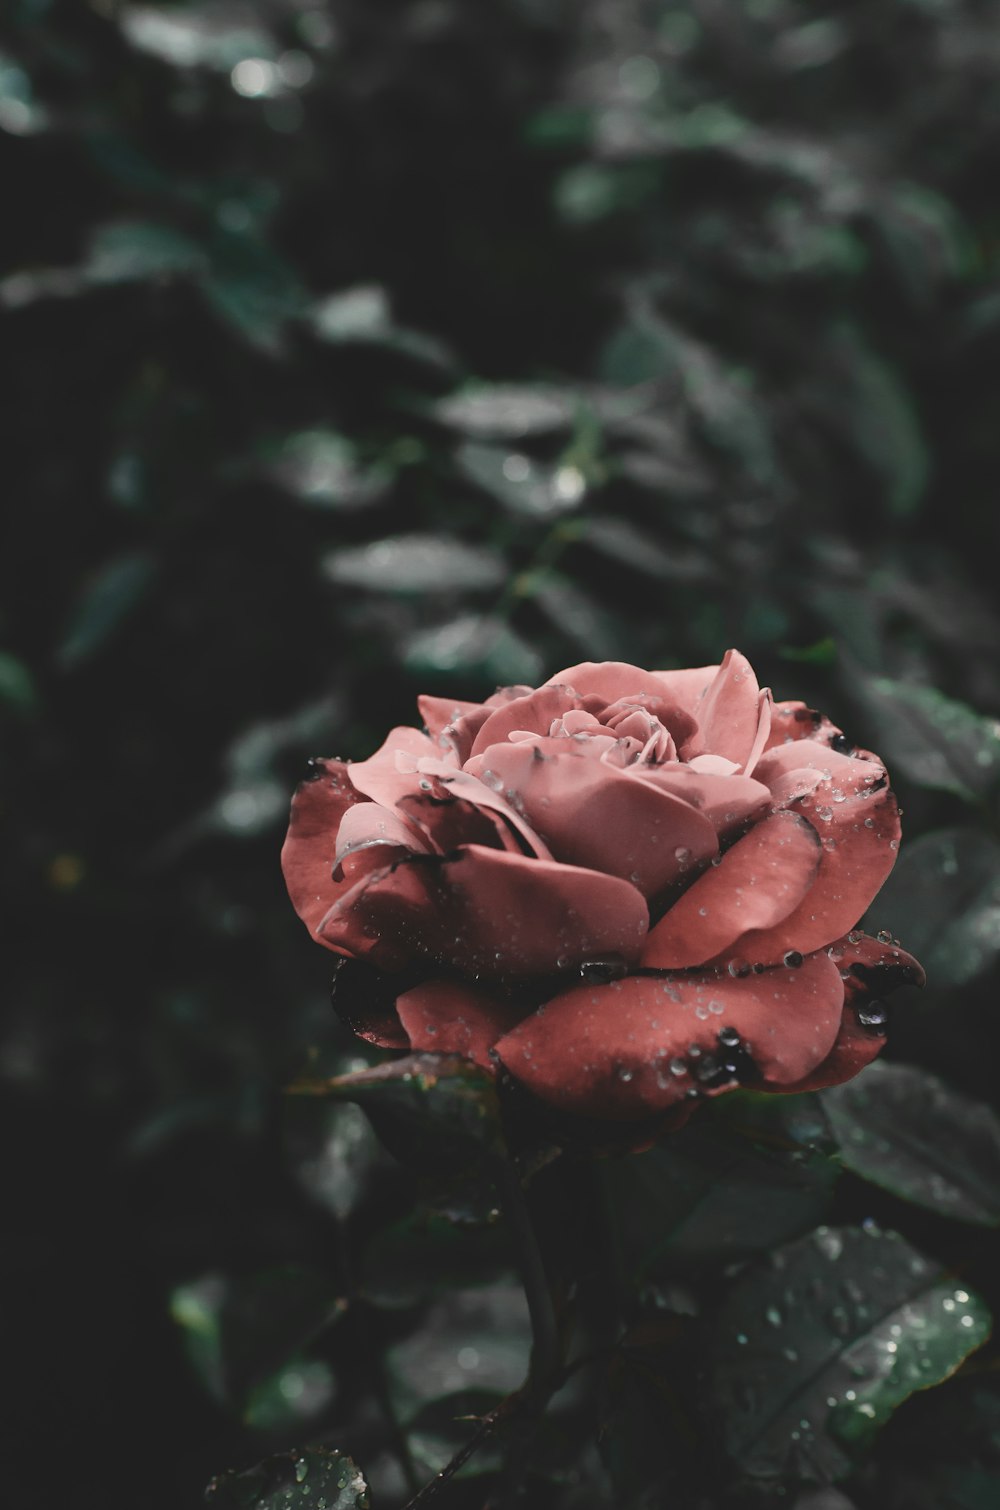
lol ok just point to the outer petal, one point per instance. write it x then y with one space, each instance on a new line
873 969
377 833
451 1017
759 881
857 820
687 687
310 849
793 721
597 815
380 777
517 916
438 712
730 713
624 1050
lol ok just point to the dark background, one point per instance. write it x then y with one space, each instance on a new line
664 327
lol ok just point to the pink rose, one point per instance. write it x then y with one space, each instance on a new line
628 888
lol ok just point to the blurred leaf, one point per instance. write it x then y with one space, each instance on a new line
943 899
880 419
518 482
936 740
423 1255
20 112
106 602
333 1150
213 34
575 614
468 1339
133 249
244 1335
903 1129
474 645
321 467
924 235
632 546
17 686
816 1347
508 411
417 564
252 288
703 1195
362 315
428 1109
302 1479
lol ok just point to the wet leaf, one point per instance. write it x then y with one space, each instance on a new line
417 564
296 1480
321 468
903 1129
430 1110
703 1194
937 741
816 1346
943 899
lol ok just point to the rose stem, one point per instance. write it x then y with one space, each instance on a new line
545 1354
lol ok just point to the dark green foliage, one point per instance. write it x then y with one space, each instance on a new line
353 350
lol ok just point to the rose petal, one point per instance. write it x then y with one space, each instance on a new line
371 827
514 915
857 820
389 916
536 712
310 849
438 712
728 802
449 822
470 789
624 1050
730 713
596 815
792 721
451 1017
687 687
365 1002
610 680
380 777
873 969
755 884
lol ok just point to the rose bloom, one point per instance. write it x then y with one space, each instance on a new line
628 889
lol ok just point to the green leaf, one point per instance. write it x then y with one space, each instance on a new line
815 1348
196 36
17 686
937 741
903 1129
704 1194
126 250
305 1479
943 899
430 1110
417 564
105 603
879 418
